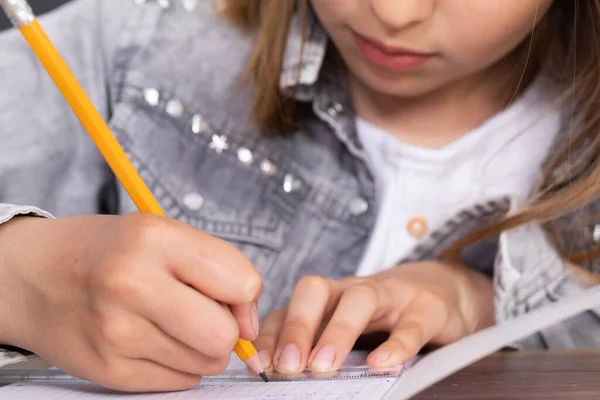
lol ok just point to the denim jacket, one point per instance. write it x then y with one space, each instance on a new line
165 75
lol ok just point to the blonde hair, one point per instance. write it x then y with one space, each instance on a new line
565 45
272 20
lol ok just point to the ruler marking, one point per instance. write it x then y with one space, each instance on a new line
15 376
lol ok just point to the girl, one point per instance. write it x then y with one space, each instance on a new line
417 167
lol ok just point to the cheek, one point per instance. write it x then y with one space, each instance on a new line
492 32
474 46
333 11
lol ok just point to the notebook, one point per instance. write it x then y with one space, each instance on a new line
352 383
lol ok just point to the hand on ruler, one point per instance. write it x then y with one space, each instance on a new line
417 303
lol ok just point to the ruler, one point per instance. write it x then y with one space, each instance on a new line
344 373
355 372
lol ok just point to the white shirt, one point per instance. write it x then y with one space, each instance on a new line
420 188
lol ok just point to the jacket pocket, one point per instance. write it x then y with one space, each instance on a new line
206 179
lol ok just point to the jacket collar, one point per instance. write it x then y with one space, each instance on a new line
303 58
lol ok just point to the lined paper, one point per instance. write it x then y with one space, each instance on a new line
360 389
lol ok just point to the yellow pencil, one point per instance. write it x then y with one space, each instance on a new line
23 18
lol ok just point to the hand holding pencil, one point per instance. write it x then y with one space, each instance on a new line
156 276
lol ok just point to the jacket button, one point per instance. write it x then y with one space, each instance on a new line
164 3
152 96
175 108
268 167
193 201
189 5
335 109
245 156
199 124
596 233
358 206
219 144
291 184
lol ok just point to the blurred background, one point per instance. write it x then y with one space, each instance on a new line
39 6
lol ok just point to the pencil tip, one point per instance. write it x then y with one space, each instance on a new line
255 366
264 377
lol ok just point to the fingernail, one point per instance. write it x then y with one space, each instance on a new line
254 318
380 356
323 361
289 360
265 358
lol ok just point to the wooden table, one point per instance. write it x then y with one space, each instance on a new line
564 375
572 375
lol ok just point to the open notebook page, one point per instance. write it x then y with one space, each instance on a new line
449 359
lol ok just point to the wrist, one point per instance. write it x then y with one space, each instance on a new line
471 291
477 303
15 251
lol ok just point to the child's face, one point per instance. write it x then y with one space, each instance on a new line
453 39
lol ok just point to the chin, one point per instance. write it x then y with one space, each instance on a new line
408 83
398 85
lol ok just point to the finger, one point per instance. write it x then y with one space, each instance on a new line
190 317
305 312
356 308
212 266
416 327
267 338
145 340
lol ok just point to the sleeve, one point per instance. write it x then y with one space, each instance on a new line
530 274
48 164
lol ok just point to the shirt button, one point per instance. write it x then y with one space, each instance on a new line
139 1
358 206
164 3
193 201
416 227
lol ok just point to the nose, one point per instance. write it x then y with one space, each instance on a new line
399 14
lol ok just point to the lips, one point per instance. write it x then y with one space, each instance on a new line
393 58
